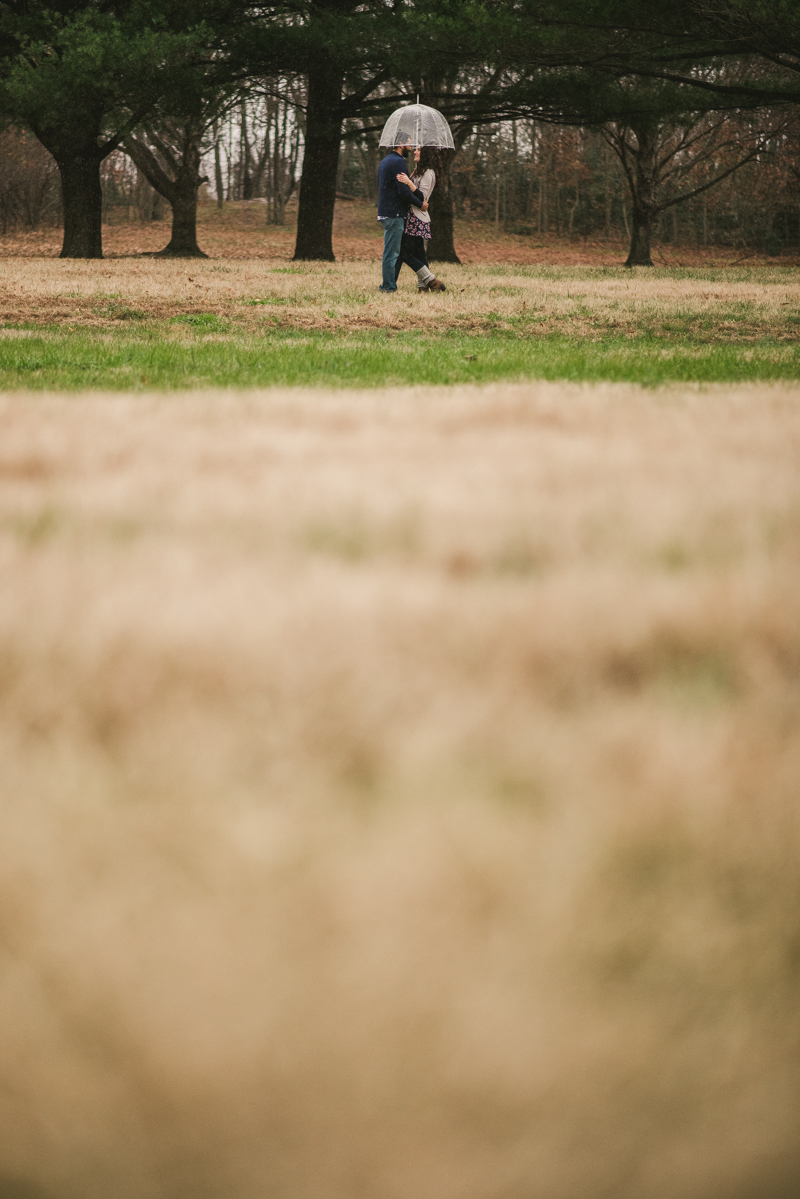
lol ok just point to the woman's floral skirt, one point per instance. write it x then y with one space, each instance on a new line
417 228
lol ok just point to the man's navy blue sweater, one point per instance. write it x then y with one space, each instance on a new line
394 199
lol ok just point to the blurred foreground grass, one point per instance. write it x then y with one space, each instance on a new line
401 794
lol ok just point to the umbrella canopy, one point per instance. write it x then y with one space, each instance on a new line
417 125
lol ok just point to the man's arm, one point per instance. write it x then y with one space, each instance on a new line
408 195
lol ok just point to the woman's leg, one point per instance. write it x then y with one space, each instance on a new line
409 252
427 279
413 253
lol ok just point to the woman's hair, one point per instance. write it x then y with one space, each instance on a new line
429 160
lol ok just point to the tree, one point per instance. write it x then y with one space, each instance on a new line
668 164
450 92
323 135
674 140
346 49
345 54
653 77
170 161
82 77
168 149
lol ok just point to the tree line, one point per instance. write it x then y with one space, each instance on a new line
684 98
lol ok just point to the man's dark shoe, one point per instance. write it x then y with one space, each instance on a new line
387 291
436 285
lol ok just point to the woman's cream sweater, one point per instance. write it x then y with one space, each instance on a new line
426 183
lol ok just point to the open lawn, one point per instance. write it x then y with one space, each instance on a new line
401 786
140 323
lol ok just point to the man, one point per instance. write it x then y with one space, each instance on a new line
394 200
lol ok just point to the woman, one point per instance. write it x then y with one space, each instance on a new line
418 224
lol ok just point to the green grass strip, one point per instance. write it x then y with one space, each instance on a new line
81 360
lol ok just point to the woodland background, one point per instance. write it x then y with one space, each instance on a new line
575 118
522 177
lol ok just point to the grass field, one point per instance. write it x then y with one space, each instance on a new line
401 793
399 725
144 324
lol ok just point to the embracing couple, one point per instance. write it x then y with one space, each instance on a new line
403 212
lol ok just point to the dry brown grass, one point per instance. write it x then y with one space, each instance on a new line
401 794
240 232
255 294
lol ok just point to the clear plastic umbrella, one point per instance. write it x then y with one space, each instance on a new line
417 125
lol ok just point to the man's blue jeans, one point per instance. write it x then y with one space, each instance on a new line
393 227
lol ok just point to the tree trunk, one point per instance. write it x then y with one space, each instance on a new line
441 247
183 242
180 191
320 163
218 183
640 238
607 196
643 183
82 199
248 191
